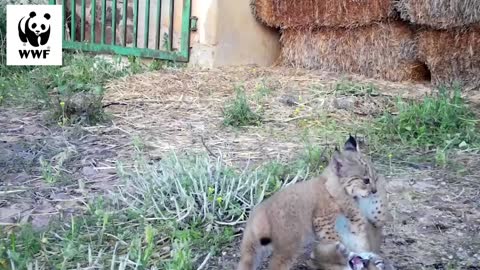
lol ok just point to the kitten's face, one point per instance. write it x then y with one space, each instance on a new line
355 170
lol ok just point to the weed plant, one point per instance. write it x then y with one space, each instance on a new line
238 112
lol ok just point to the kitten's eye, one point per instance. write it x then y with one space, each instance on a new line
366 181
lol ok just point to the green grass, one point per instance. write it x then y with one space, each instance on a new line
103 236
238 112
346 87
35 86
262 90
440 120
73 92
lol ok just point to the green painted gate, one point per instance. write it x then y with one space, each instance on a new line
123 40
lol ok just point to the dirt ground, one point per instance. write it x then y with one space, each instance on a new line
82 164
435 212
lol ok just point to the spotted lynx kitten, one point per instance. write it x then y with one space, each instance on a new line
374 208
329 209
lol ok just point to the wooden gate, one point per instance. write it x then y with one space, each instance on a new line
114 26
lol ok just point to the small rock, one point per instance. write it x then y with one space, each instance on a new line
289 100
82 102
344 103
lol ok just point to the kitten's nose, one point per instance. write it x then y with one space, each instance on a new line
374 190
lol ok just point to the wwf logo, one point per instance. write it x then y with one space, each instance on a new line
35 30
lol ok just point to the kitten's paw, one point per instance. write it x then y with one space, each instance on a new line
374 259
356 262
342 250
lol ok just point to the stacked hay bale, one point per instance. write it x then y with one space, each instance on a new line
383 50
332 13
396 40
448 38
346 36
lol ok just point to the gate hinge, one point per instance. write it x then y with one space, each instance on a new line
193 23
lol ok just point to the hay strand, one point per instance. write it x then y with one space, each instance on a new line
384 50
440 14
337 13
453 56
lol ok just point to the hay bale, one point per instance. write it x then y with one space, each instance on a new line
338 13
452 56
440 14
385 50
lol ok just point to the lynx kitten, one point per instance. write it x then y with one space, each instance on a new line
315 211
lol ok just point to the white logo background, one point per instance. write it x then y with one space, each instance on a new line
46 55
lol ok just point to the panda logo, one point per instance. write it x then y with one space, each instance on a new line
35 30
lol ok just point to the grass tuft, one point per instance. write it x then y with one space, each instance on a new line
199 188
238 113
192 189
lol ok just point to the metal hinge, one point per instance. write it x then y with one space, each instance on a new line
193 23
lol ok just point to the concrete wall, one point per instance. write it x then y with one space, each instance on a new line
243 40
227 34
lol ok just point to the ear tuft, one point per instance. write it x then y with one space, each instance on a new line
33 14
47 16
337 163
351 144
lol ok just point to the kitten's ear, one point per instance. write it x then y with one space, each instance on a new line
337 163
351 144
